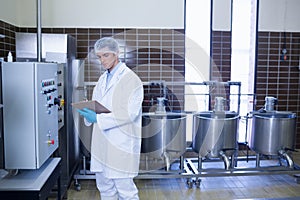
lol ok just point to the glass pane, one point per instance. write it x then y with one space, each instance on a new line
243 55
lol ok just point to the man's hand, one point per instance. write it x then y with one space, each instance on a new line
88 114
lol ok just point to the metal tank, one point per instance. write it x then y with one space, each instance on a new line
273 132
215 133
163 137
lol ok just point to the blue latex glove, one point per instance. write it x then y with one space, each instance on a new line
88 114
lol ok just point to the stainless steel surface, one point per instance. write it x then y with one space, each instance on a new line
163 136
60 48
214 132
30 115
61 44
80 94
270 103
28 180
272 132
163 132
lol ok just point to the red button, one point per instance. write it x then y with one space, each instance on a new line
50 141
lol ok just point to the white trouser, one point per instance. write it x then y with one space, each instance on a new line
113 189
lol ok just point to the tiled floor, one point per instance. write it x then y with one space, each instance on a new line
212 188
272 186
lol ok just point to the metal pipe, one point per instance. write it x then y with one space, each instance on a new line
287 157
225 159
39 31
167 160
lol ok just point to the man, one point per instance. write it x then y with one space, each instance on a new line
116 137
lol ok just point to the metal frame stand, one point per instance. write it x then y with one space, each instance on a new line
192 168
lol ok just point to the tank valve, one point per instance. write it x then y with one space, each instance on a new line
270 103
219 104
161 105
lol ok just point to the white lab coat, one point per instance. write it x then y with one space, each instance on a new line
116 137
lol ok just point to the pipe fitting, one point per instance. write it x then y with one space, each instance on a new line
288 158
225 159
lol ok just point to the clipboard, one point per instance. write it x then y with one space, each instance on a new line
92 105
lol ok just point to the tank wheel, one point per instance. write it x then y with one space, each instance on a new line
297 178
77 185
198 182
189 183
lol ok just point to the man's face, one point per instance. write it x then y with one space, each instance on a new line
108 58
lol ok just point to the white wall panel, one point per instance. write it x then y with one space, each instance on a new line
279 15
221 15
98 13
8 11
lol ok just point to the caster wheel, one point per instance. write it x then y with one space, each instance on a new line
197 183
77 186
297 178
189 183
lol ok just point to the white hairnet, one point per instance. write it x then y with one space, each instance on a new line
106 43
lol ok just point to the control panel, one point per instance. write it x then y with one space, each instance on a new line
60 94
30 113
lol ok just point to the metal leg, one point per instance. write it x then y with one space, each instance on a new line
199 163
84 164
181 163
233 162
257 160
146 163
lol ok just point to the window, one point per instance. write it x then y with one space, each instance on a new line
197 56
243 55
198 26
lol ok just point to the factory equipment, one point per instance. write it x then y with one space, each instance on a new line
29 113
215 133
163 138
273 132
164 147
161 108
61 49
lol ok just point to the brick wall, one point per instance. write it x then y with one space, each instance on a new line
276 76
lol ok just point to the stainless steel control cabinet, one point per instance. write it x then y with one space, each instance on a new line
58 48
30 113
